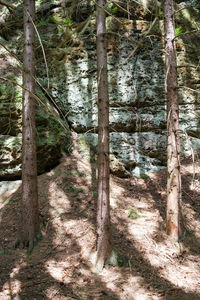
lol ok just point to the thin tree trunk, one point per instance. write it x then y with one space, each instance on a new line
173 216
30 216
103 206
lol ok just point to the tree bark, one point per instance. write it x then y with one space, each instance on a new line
103 205
29 207
173 214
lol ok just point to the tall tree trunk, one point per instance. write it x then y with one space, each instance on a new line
173 216
103 206
29 207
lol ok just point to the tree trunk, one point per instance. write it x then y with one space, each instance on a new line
103 206
173 216
30 216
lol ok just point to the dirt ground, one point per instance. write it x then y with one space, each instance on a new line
150 266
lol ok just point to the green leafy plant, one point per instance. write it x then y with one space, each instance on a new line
75 189
178 30
133 214
160 12
144 176
61 29
114 10
8 200
68 22
94 195
75 174
41 22
124 261
113 195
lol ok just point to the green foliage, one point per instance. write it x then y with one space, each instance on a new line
95 195
113 195
84 215
82 174
8 200
46 138
133 214
8 92
75 189
114 10
194 3
178 30
75 174
68 22
83 147
41 22
55 135
183 236
53 174
78 174
61 29
160 12
123 261
144 176
56 19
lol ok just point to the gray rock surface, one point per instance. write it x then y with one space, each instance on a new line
137 101
49 134
9 187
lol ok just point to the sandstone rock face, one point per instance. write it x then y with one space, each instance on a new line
137 100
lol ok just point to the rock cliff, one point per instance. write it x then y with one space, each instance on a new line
136 89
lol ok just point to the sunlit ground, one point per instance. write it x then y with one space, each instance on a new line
60 267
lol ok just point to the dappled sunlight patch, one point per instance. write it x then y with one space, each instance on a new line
183 277
53 292
111 277
58 199
195 185
59 269
146 224
7 190
84 235
134 288
171 262
148 262
11 289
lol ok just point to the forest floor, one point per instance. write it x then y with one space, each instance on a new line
150 266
